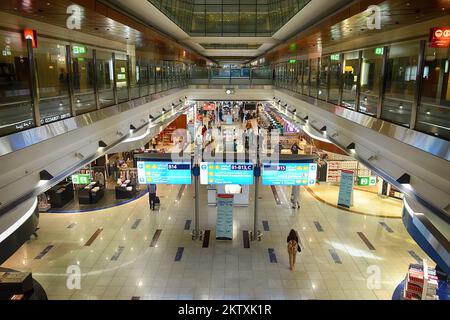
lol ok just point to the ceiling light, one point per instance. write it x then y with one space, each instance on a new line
102 144
323 129
306 118
404 179
45 175
132 127
351 146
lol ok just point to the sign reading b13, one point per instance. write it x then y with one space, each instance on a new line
439 37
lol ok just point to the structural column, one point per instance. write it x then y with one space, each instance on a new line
257 174
33 84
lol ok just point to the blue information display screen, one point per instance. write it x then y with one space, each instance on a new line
164 172
289 174
226 173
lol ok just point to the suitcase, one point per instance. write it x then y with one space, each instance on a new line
157 203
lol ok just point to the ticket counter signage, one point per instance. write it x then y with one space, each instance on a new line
289 174
156 172
226 173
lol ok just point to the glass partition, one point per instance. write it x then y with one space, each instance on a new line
305 82
298 87
121 77
372 61
401 71
83 78
105 78
143 78
134 78
323 78
16 111
350 79
313 81
53 80
434 110
335 78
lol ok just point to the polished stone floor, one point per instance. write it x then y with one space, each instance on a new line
120 264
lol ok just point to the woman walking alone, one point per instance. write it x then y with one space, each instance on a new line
293 244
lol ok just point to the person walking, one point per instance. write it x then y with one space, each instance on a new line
295 148
154 143
295 197
293 246
151 195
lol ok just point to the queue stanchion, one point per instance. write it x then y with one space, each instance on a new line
196 234
256 235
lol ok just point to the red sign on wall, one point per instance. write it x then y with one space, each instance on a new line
209 106
439 37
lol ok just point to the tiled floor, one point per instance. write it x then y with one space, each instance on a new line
224 270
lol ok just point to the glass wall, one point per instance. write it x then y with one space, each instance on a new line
16 112
83 78
305 86
299 76
313 77
350 79
134 78
434 110
401 71
144 77
105 78
121 77
335 78
372 62
53 80
323 78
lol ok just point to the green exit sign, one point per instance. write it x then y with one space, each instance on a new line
81 179
79 49
335 57
292 61
367 181
379 51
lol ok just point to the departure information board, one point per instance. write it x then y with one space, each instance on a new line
156 172
289 174
226 173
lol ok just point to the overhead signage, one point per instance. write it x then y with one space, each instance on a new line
367 181
292 61
335 57
224 222
209 106
226 173
439 37
31 35
379 51
81 178
346 189
156 172
289 174
79 49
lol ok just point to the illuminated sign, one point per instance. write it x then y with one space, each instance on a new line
155 172
439 37
226 173
79 49
81 179
120 76
289 174
367 181
379 51
32 35
292 61
335 57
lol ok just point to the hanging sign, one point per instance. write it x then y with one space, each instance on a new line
439 37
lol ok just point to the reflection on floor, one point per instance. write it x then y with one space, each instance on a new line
364 202
130 252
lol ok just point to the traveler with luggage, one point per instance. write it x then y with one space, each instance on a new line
152 195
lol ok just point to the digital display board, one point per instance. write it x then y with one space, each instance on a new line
289 174
156 172
226 173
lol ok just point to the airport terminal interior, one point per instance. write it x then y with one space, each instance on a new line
224 150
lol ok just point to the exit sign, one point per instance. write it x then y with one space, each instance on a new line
335 57
79 49
292 61
379 51
367 181
81 179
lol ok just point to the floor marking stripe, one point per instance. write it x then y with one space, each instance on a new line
117 254
44 252
155 237
385 226
275 195
206 239
318 226
187 225
366 241
335 256
415 256
136 224
266 225
179 254
93 237
180 192
246 239
272 255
